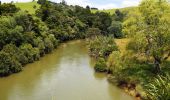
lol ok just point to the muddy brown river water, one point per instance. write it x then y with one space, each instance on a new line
65 74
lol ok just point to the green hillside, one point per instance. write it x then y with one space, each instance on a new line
111 11
29 6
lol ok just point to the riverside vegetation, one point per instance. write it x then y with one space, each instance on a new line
142 68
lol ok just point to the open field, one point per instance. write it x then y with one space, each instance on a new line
28 6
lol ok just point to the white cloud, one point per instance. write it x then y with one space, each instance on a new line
128 3
15 0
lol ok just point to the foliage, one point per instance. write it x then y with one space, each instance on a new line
65 22
114 62
10 32
100 65
41 2
15 53
118 15
159 89
101 46
48 45
102 21
8 8
31 53
8 64
25 20
92 32
131 24
116 29
151 35
23 39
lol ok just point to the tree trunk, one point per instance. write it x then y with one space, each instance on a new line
157 66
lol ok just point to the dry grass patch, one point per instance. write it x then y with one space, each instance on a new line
122 43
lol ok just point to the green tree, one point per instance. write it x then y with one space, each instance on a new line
34 6
116 29
31 53
8 64
101 46
25 20
152 36
10 32
118 15
15 53
102 21
48 45
39 43
41 2
63 2
131 24
5 63
8 8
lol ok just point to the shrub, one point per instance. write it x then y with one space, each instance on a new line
102 46
159 89
114 62
92 32
48 45
100 66
31 53
8 64
116 29
15 53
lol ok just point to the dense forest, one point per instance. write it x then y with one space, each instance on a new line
141 69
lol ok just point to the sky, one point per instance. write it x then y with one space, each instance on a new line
101 4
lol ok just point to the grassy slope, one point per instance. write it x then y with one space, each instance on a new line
111 11
28 6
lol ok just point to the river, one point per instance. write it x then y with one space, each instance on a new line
65 74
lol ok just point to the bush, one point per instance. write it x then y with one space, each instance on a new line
39 43
54 40
8 64
8 8
15 53
16 66
114 62
100 66
31 53
5 63
116 29
102 46
10 32
92 32
48 45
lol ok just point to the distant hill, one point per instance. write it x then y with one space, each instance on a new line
111 11
29 6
